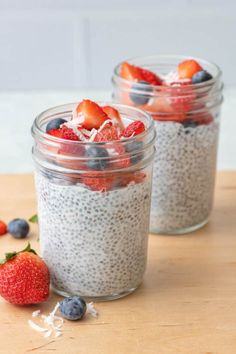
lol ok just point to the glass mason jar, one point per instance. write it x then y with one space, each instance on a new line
186 118
94 222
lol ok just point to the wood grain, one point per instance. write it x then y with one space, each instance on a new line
186 304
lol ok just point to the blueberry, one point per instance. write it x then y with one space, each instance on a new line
189 123
55 124
73 308
135 147
201 76
140 98
18 228
96 164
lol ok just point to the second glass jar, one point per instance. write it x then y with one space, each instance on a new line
187 125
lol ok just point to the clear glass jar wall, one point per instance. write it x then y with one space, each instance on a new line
187 125
94 242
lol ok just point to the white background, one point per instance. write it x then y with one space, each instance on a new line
53 50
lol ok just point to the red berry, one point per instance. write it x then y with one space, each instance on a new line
182 97
121 161
93 114
24 278
97 181
68 133
133 129
55 132
114 115
188 68
150 77
3 228
108 133
130 72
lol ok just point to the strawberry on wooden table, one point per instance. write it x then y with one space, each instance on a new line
24 278
3 228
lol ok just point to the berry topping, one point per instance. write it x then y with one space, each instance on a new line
55 124
114 115
97 181
3 228
201 76
130 72
24 278
73 308
68 133
188 68
97 152
93 115
150 77
135 147
133 129
18 228
55 132
140 95
108 133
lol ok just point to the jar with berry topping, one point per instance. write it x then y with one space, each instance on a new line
93 180
184 97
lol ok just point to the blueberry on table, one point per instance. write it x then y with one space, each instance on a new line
55 124
201 76
18 228
144 95
96 152
73 308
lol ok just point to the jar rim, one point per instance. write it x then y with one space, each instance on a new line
159 58
37 131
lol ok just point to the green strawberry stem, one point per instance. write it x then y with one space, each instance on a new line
11 255
34 219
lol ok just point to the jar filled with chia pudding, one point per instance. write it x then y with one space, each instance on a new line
93 181
184 97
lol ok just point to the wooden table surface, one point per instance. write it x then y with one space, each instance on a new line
186 304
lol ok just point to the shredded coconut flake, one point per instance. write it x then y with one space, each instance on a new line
48 333
36 313
91 309
36 327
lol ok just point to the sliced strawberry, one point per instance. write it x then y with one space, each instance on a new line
114 115
108 133
150 77
130 72
97 181
202 118
133 129
127 178
182 97
93 114
68 133
3 228
55 132
187 68
121 161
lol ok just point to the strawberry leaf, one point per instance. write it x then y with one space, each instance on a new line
11 255
34 219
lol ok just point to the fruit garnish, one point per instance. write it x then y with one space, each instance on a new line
114 115
181 96
24 278
120 161
18 228
204 118
3 228
55 124
73 308
187 68
150 77
201 76
97 153
108 133
55 132
140 95
92 114
34 219
98 181
130 72
133 129
68 133
135 73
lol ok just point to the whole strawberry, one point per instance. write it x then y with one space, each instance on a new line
24 278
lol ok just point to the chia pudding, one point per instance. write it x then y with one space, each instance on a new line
183 95
184 174
93 183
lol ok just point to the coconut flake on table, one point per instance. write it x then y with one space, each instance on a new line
91 310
